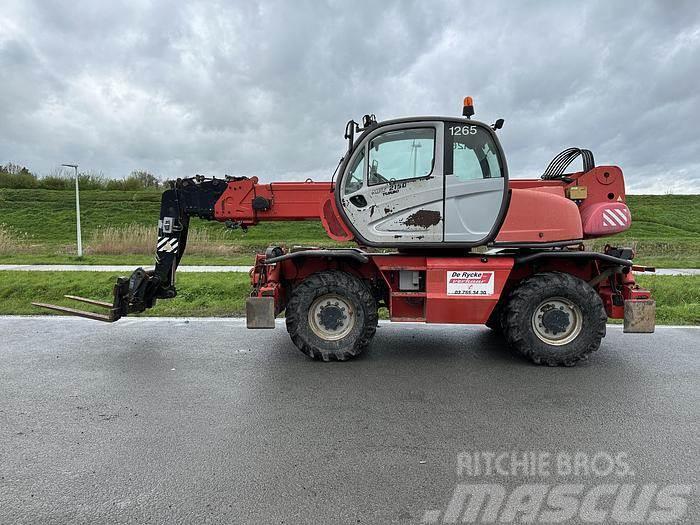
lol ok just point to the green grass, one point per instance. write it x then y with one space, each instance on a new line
677 297
665 228
223 294
664 217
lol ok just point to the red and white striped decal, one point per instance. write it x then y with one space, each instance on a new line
615 217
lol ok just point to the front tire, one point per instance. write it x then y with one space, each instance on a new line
331 315
554 319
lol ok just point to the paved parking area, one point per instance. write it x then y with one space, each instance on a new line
170 420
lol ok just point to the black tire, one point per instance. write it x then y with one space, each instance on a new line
534 302
349 291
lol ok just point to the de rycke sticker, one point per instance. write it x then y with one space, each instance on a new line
470 282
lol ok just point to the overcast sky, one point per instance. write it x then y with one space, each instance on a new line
248 88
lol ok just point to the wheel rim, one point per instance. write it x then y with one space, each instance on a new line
331 317
557 321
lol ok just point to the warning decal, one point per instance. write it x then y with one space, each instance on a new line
470 282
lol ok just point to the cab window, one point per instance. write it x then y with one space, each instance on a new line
400 155
354 180
473 153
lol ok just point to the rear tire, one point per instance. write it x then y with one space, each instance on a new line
554 319
331 315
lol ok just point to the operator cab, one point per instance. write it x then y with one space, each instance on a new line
429 181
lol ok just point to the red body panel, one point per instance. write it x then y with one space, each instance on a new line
540 215
443 307
434 304
606 218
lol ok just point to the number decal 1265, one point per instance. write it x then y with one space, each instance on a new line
463 130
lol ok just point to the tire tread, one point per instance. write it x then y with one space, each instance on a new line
331 280
517 322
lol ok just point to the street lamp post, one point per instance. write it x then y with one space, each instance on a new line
77 208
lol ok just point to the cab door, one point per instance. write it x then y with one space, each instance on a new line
393 185
476 183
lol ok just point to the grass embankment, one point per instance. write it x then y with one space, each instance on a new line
39 227
223 294
119 228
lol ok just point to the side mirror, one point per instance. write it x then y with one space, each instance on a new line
498 124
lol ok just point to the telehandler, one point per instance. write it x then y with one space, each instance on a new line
444 237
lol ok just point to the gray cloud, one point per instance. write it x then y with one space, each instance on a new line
265 88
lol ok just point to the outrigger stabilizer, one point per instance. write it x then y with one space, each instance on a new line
194 196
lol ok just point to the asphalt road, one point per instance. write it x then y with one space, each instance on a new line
167 421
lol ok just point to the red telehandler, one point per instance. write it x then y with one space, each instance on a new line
444 237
